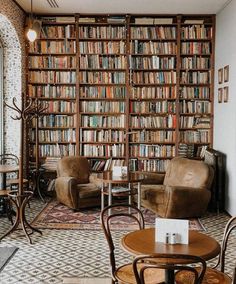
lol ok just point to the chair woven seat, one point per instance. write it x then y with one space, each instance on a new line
125 275
211 276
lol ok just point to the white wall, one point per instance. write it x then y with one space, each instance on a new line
225 113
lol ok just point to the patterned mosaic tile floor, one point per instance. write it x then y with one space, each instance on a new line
60 253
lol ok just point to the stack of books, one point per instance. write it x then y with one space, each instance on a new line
51 163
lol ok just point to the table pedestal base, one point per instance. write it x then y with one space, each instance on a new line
20 202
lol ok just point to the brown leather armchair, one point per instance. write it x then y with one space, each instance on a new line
185 191
74 185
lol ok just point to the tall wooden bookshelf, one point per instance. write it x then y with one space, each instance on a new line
134 88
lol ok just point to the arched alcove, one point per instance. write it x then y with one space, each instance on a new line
12 83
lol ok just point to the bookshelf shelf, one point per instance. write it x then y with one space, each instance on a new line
132 87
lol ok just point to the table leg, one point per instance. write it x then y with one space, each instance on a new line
139 195
109 196
169 276
129 197
102 196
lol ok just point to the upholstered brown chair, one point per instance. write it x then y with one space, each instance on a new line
74 185
185 191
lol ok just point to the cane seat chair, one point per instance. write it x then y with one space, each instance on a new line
123 274
11 159
170 263
217 273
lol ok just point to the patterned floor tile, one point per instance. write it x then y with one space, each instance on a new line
74 253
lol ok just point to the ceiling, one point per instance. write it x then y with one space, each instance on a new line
124 6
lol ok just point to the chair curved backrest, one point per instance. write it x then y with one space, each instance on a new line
106 221
10 159
173 263
230 226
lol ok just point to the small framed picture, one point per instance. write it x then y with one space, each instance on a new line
226 73
220 95
220 76
226 94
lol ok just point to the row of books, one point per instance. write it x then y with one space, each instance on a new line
195 107
52 62
64 31
102 92
50 91
54 135
150 47
55 121
102 106
194 92
195 48
153 92
152 33
152 151
109 135
154 77
199 136
186 150
153 165
61 106
198 77
195 63
101 121
50 163
52 77
168 121
110 19
195 122
153 107
102 77
116 150
153 21
53 46
153 136
102 47
153 62
57 150
102 62
102 32
196 32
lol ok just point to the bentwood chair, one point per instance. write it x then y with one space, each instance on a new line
124 273
217 273
11 159
170 263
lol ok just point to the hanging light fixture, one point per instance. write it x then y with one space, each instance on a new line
31 33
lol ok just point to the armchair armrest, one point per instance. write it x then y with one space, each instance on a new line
152 178
66 190
186 201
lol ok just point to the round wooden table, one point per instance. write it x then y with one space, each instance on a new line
143 242
110 179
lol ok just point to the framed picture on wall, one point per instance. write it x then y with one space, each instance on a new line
226 73
220 76
220 95
226 94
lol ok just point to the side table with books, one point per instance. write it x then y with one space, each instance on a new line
44 176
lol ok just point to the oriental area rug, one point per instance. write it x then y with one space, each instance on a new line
57 216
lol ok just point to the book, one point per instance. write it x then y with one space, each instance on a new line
87 20
144 21
163 21
193 21
65 19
